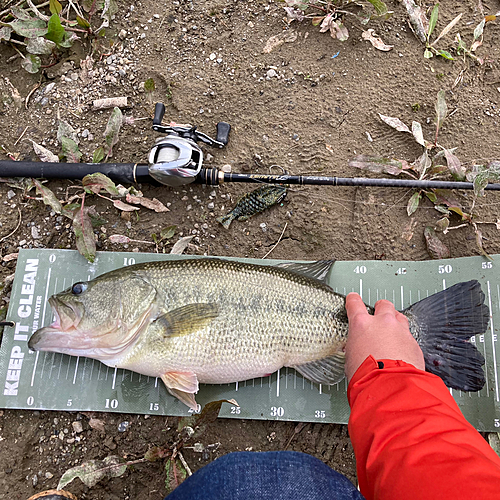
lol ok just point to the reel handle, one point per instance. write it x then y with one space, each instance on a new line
159 112
223 130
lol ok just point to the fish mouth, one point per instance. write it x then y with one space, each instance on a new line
62 333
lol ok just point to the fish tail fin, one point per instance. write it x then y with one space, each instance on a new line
443 325
226 220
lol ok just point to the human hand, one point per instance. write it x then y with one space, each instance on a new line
385 335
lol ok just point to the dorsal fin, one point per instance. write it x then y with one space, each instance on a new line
317 270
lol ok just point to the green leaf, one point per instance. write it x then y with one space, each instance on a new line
176 474
31 63
55 30
97 219
55 7
64 129
478 31
29 28
167 232
445 54
112 129
455 166
428 54
40 45
98 182
482 174
413 202
380 7
71 210
98 155
83 22
68 39
70 150
149 85
85 241
21 14
93 471
432 196
441 108
49 198
436 248
433 20
442 224
442 210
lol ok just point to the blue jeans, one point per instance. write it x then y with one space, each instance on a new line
274 475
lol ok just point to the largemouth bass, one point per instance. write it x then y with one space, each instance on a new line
217 321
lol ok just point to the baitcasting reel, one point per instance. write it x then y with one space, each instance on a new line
176 159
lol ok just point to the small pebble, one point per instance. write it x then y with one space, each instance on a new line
77 426
123 426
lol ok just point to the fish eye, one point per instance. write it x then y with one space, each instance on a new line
78 288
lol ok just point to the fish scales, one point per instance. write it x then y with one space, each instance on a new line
276 316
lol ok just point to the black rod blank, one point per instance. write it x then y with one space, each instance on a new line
138 173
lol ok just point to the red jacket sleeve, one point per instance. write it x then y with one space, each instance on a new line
412 442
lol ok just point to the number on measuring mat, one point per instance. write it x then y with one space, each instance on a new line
445 269
277 411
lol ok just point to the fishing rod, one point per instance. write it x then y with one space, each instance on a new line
177 160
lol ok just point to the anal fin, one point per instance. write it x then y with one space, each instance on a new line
328 371
182 385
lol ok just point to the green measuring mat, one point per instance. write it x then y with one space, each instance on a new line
52 381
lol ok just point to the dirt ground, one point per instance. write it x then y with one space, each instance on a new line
308 106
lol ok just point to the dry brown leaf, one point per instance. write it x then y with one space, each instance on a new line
409 230
273 43
181 245
97 424
436 248
447 28
418 22
119 238
10 256
376 41
153 204
395 123
120 205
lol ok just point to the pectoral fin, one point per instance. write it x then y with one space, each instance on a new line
327 371
187 319
182 385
